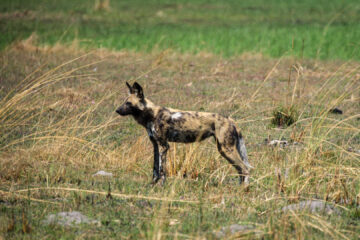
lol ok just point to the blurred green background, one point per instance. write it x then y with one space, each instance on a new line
321 29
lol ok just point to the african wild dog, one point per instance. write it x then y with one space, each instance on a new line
165 125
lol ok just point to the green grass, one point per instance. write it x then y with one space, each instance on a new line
310 29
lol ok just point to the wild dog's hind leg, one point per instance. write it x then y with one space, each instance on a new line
232 156
227 140
164 146
240 147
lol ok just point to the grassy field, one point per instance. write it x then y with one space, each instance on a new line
59 127
60 88
319 29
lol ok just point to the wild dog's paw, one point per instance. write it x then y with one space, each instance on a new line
163 180
155 180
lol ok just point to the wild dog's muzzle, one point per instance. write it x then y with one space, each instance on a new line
122 111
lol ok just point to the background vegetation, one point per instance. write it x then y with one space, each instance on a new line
326 29
63 67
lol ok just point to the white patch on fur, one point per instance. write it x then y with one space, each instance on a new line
176 115
160 161
150 129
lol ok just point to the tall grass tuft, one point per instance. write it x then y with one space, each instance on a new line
284 116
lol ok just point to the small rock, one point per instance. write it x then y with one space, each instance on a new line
232 229
336 111
173 222
350 149
103 173
68 219
312 206
281 143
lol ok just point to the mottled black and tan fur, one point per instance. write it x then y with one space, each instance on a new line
165 125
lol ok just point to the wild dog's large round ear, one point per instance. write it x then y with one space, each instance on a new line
131 90
138 90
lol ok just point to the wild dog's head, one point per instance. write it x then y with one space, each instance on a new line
134 103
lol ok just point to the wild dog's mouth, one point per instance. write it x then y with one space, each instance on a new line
123 112
120 112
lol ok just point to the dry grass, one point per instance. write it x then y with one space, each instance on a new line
58 126
102 5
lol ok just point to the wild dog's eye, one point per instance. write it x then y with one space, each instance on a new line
128 103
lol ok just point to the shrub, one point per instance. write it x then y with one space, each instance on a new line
284 116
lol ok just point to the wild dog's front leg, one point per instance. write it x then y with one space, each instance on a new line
162 160
156 169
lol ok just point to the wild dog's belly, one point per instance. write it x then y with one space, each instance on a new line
186 136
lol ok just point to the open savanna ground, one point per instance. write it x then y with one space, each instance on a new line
58 127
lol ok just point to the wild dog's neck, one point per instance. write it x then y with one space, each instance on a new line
148 114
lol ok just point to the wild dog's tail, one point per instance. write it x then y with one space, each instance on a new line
242 151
